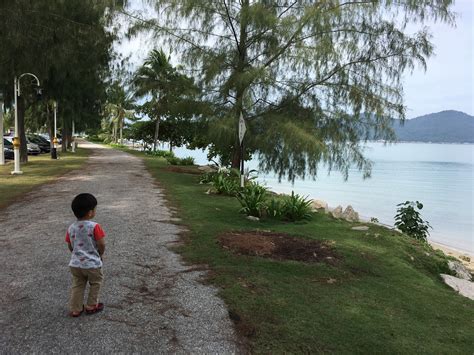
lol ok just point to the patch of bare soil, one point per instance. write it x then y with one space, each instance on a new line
184 169
278 246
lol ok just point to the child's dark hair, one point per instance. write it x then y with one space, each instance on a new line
82 204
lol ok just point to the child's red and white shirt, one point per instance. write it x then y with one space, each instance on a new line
83 236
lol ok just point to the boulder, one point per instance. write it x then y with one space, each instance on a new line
317 205
460 270
463 287
253 218
337 212
207 168
360 228
350 215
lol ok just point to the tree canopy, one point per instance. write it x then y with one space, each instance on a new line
68 45
313 79
170 96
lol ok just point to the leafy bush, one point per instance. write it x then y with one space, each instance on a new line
187 161
274 208
224 183
296 207
409 220
208 177
117 145
173 160
252 198
161 153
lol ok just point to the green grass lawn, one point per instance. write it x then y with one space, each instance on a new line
384 295
39 170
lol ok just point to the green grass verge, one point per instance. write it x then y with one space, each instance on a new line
39 170
387 295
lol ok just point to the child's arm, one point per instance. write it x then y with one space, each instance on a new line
68 241
101 246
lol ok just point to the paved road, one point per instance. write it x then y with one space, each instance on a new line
154 302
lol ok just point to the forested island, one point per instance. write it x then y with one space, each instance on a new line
442 127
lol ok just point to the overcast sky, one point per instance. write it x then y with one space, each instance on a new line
447 83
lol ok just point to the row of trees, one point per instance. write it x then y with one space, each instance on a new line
68 45
312 79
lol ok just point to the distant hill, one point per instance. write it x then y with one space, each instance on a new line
442 127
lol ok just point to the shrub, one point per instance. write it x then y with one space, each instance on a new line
409 220
117 145
207 178
187 161
296 207
173 160
224 183
252 198
161 153
274 208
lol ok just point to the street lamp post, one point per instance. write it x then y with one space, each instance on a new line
54 155
73 139
16 139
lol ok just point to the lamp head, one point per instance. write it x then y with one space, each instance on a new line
39 93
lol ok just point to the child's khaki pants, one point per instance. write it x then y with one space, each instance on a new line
80 277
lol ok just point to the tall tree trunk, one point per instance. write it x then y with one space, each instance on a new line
240 87
157 132
121 130
21 130
64 135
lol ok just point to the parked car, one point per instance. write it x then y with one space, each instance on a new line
7 144
43 144
33 148
8 153
46 136
7 149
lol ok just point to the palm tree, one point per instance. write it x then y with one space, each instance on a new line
166 86
119 106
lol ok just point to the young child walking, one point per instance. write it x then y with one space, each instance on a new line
85 240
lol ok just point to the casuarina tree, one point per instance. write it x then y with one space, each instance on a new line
312 78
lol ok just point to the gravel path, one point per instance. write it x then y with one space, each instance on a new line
154 302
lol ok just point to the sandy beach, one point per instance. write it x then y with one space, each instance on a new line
466 258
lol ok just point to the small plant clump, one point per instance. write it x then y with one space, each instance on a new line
161 154
409 220
252 198
224 181
274 208
296 207
172 160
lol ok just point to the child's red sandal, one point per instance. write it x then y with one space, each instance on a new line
97 308
75 314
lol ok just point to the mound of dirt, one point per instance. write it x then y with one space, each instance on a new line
278 246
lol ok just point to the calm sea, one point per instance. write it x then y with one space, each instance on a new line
441 176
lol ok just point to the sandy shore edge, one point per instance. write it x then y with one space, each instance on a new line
466 258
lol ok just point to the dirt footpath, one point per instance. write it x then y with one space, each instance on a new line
153 301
